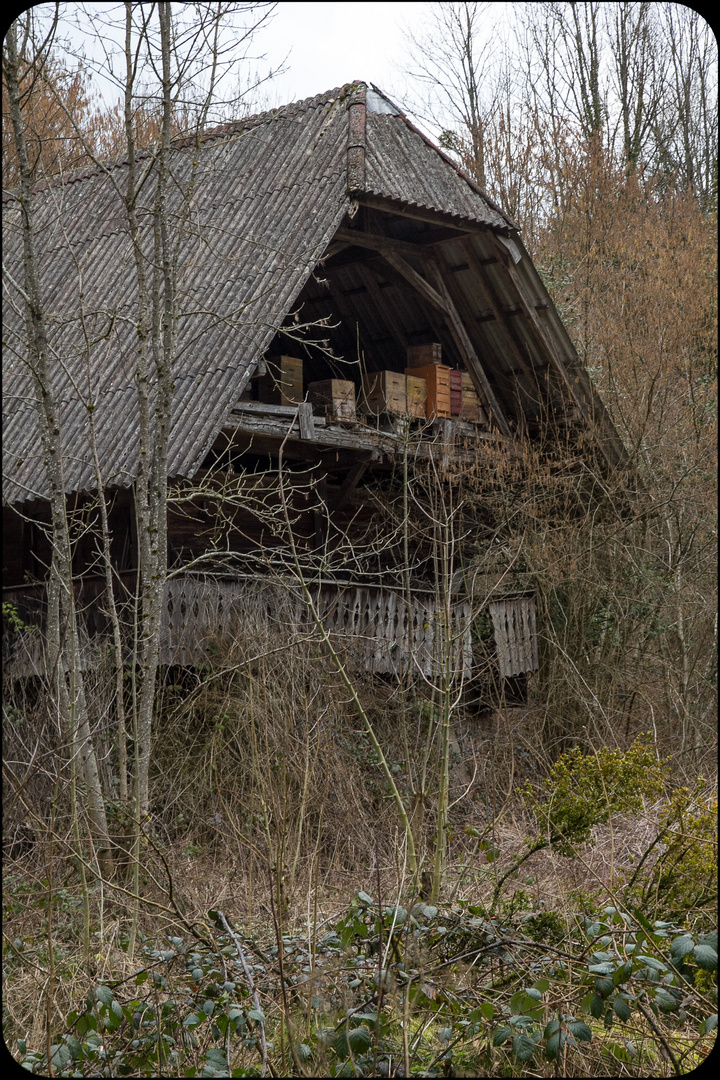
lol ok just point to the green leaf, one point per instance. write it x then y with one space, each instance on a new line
709 939
364 898
707 1025
257 1014
706 957
604 987
140 978
487 1009
601 969
680 947
596 1006
359 1040
651 962
191 1021
74 1046
60 1055
104 994
553 1045
429 911
666 1002
216 1059
534 993
197 974
117 1009
523 1047
646 925
580 1030
620 1051
501 1035
207 1007
621 1007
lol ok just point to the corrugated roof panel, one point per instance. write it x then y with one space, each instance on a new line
403 166
266 198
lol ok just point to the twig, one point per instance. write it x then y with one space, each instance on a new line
251 984
661 1037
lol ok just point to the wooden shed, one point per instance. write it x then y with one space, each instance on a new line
337 273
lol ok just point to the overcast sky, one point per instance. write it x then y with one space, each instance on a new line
330 44
322 45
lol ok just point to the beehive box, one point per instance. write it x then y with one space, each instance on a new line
456 392
422 355
416 396
471 408
437 378
384 391
335 398
282 383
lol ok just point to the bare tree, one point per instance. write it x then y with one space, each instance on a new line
63 654
452 58
173 65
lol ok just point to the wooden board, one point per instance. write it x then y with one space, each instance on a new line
470 408
335 398
437 378
416 396
515 635
456 392
384 391
282 384
422 355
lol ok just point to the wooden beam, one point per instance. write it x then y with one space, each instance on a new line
416 280
497 311
375 242
405 210
352 479
306 421
471 358
573 375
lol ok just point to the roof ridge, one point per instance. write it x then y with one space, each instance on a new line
183 140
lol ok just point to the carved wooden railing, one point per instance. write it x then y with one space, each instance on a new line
205 616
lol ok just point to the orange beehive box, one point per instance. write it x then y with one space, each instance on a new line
438 388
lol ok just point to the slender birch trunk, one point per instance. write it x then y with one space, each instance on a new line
62 645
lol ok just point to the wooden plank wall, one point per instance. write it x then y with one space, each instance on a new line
515 634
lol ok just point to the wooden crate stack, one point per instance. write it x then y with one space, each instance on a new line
384 391
282 383
425 361
335 398
392 392
416 396
470 408
437 378
455 393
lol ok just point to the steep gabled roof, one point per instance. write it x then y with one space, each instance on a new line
258 203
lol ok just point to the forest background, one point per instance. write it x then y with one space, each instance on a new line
569 848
